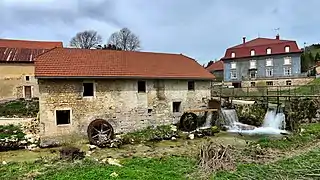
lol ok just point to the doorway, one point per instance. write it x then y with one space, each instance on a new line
27 92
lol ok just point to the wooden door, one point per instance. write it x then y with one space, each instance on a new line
27 92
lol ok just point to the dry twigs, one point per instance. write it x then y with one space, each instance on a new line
215 157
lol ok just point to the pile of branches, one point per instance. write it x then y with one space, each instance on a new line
215 157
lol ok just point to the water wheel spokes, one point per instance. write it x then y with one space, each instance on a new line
100 132
188 122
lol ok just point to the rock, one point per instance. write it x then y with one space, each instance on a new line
23 142
31 140
114 162
28 136
173 128
49 143
92 147
191 136
104 160
173 138
4 163
32 147
114 174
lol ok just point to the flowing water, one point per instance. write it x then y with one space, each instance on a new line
273 123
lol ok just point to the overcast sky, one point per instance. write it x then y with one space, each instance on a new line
201 29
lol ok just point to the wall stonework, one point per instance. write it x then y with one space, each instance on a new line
118 102
12 80
280 82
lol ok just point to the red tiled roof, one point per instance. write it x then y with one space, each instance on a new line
11 43
216 66
71 62
260 45
23 51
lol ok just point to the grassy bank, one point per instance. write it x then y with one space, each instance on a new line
138 168
305 166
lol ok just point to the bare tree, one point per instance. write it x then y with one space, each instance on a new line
125 40
86 39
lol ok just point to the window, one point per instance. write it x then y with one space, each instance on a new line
287 61
287 71
141 86
269 83
176 106
88 89
233 55
287 49
253 74
253 64
233 75
269 72
27 78
269 62
149 111
288 83
190 85
63 117
252 52
269 51
253 84
233 65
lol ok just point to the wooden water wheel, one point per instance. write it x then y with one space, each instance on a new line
100 132
188 122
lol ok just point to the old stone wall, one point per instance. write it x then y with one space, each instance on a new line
118 102
278 82
13 79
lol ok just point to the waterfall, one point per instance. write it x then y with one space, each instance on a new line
273 123
230 117
274 120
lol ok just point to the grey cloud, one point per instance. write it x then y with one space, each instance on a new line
201 29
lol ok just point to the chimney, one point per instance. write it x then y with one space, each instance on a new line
244 39
278 37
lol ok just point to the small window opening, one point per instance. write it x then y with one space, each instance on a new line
253 84
63 117
191 85
176 106
27 78
141 86
269 83
288 83
88 89
149 111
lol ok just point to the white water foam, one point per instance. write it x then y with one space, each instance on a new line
273 123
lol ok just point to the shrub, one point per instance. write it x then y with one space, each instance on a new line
19 108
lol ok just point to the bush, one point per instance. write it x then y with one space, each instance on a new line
7 131
19 108
151 134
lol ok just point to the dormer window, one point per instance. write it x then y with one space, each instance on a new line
287 49
252 52
233 55
269 51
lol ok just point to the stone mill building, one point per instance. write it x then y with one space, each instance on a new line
130 90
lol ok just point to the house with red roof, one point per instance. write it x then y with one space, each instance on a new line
273 61
216 68
115 91
17 67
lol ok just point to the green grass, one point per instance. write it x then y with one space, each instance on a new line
311 133
299 167
137 168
